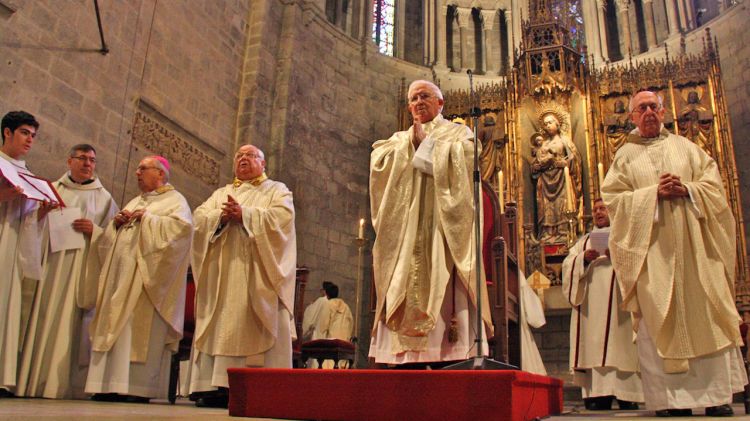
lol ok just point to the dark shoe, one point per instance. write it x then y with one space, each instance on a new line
719 411
5 393
674 413
627 405
136 399
599 403
105 397
213 402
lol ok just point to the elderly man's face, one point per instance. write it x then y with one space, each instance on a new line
423 104
601 214
647 114
248 163
150 177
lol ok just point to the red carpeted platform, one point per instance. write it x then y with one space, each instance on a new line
392 394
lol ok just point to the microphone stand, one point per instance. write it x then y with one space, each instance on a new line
479 362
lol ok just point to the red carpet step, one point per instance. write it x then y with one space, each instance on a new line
354 395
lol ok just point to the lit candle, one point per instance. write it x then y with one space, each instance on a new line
500 191
361 232
600 171
569 196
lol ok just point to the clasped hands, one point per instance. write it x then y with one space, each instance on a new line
124 217
591 254
418 134
670 187
231 211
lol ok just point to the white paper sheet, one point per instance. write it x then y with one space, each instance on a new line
61 233
599 240
33 187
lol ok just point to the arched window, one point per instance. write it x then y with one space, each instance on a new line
383 25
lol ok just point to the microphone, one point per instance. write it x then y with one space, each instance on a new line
475 111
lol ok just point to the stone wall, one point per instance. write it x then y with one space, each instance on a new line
175 63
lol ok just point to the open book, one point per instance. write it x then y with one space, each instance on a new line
35 188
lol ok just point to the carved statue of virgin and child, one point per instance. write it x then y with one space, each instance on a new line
551 152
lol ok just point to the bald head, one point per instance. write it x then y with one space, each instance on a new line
249 162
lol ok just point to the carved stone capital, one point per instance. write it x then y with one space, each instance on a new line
622 5
463 14
488 19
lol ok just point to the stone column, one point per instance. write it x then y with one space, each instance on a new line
441 46
488 22
428 33
367 23
400 29
648 17
690 14
601 17
672 17
511 45
592 29
464 18
684 26
623 21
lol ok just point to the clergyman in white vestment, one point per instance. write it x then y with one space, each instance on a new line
55 357
603 355
424 258
672 245
20 248
141 299
312 313
244 262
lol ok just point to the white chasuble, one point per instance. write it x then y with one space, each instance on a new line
423 256
141 299
674 259
56 352
244 276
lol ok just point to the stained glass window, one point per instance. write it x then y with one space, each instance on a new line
571 10
576 23
382 25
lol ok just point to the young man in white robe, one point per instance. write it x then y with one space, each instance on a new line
335 321
312 313
141 298
424 259
20 248
672 245
55 357
603 356
244 262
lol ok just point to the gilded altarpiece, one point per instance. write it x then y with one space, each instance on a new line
589 106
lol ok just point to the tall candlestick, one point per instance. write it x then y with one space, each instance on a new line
361 232
600 172
569 196
501 191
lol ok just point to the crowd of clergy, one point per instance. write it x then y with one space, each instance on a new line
92 303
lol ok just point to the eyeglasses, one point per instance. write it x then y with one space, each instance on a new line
642 108
423 96
142 168
251 155
83 159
